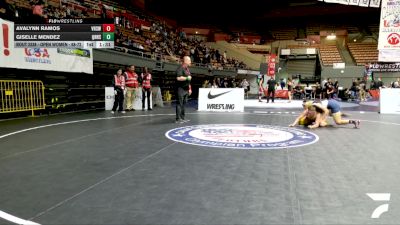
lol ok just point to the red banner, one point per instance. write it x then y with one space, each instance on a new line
374 93
278 93
271 65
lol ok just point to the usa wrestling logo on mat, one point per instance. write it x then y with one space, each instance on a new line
242 136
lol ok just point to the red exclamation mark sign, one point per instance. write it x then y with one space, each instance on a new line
5 39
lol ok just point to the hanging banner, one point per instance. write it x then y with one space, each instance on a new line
354 2
375 3
339 65
364 3
53 59
344 2
384 67
271 65
389 28
389 55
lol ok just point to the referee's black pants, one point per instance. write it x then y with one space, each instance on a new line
181 100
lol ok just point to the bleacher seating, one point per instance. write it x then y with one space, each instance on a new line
317 46
373 28
329 55
329 27
363 52
289 33
312 29
352 29
301 66
255 49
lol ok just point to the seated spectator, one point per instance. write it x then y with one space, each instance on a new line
379 83
330 91
205 84
316 91
8 11
298 92
214 84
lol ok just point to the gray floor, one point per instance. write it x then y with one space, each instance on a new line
122 170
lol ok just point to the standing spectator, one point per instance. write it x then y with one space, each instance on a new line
218 56
132 84
37 12
318 91
290 89
328 88
282 83
146 88
119 87
225 58
183 89
103 12
354 89
245 84
323 85
362 86
368 74
260 86
336 87
271 89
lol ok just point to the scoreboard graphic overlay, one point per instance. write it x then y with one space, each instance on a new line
66 33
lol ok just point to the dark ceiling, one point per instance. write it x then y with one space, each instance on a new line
257 15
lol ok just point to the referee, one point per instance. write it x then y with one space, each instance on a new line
183 89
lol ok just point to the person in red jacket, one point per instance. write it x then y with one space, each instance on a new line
132 85
146 88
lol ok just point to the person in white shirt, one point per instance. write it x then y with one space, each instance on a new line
245 84
146 88
214 84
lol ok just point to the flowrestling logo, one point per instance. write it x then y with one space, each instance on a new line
242 136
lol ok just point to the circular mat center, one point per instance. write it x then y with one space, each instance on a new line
242 136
